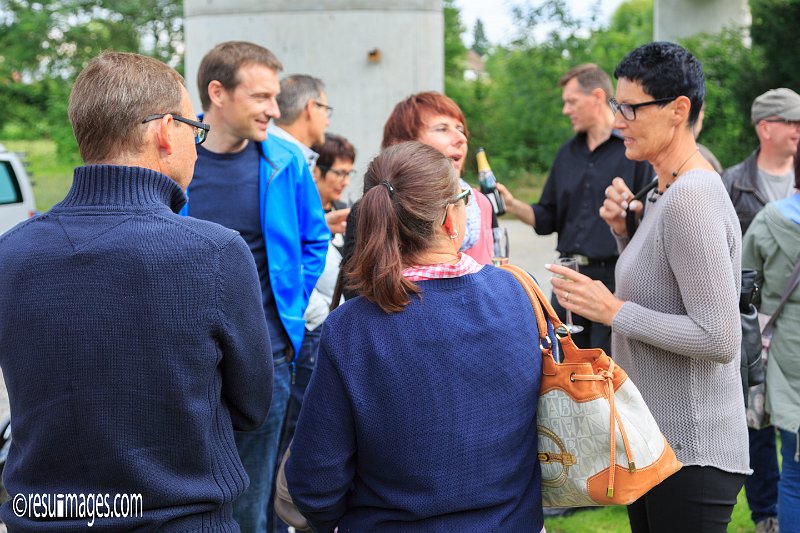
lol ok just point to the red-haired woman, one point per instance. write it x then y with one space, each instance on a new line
436 120
421 413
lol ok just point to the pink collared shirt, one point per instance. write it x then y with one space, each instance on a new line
466 265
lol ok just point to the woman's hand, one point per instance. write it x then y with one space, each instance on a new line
584 296
615 206
337 220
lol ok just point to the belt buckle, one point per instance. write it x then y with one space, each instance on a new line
582 260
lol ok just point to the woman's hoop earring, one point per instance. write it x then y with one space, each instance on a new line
454 235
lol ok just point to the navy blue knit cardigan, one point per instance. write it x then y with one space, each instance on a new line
133 343
424 420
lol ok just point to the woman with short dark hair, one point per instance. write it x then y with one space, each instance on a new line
421 413
675 317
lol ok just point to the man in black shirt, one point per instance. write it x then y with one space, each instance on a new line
575 189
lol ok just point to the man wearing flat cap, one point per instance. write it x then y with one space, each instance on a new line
765 176
768 174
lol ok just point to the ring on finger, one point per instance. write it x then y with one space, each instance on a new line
566 297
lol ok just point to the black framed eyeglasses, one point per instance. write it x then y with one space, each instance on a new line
341 174
629 110
328 109
792 123
465 195
200 129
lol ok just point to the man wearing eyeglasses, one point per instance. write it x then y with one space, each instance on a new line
304 117
765 176
575 188
305 114
131 339
768 173
260 186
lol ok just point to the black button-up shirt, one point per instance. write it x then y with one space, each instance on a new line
575 190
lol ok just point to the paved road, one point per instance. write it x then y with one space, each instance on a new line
530 251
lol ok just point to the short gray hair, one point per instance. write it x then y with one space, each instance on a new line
111 97
296 91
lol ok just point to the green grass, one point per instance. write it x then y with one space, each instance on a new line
51 179
615 520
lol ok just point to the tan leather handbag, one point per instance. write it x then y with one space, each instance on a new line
598 442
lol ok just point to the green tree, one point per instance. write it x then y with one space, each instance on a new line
772 34
480 43
734 76
521 108
455 52
45 43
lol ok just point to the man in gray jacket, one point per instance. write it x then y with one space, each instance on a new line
766 175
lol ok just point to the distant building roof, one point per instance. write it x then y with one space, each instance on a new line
475 66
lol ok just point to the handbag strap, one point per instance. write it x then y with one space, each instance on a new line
790 287
538 300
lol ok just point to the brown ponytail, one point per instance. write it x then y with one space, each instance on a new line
406 189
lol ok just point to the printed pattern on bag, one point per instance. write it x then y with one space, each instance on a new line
585 449
584 461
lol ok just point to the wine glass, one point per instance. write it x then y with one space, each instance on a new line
572 264
500 253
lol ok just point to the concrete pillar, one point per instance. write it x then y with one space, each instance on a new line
674 19
369 53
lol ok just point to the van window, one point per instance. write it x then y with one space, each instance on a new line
10 192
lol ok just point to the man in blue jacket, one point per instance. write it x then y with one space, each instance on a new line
260 186
132 340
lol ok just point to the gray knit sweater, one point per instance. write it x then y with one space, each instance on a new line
678 334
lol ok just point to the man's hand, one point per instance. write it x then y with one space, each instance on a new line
519 209
615 206
337 220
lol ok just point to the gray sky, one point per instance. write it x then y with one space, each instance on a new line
496 16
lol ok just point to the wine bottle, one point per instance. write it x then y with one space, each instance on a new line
488 183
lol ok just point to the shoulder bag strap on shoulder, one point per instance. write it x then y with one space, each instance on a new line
790 287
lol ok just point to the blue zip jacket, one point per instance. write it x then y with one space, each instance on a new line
295 232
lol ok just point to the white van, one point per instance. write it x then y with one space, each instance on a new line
16 194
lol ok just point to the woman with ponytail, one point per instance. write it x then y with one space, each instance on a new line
421 413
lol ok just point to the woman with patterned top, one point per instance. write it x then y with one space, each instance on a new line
675 317
421 413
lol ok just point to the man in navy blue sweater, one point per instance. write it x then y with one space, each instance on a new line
260 186
132 340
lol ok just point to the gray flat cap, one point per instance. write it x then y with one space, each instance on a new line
783 103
